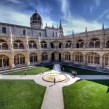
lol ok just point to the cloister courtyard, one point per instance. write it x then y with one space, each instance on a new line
26 89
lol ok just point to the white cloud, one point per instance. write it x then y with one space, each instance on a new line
91 9
65 9
13 17
98 2
15 1
77 24
103 14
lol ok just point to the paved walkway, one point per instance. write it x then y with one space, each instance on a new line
53 98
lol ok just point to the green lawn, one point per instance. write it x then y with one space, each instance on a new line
82 71
87 95
20 94
32 71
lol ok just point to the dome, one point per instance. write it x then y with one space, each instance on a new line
36 18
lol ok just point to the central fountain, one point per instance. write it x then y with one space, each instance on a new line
55 74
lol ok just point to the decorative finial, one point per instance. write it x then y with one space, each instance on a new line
52 25
57 26
46 24
60 26
103 26
73 33
86 29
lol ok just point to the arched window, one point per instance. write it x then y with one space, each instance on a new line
94 43
18 44
19 59
67 56
24 32
44 56
43 44
52 45
4 61
68 44
33 58
80 44
77 45
107 44
3 45
97 44
91 45
93 58
78 57
3 29
106 60
60 45
32 45
39 33
53 33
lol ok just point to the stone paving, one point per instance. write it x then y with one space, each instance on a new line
53 98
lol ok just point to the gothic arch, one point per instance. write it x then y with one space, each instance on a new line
78 57
3 45
18 44
32 45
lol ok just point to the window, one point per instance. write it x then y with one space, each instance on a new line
39 33
3 29
24 32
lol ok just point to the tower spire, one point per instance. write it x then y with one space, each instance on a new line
73 33
46 24
86 29
60 26
103 26
52 25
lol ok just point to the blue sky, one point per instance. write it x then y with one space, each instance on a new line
74 14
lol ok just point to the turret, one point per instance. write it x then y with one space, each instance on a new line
36 21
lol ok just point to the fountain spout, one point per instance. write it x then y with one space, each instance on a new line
57 67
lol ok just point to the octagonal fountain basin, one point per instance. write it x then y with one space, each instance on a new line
58 77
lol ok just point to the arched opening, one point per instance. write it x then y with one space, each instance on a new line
106 60
67 56
18 44
32 45
33 58
107 44
19 60
56 56
78 58
68 44
94 43
56 44
80 44
77 45
97 44
91 45
4 62
24 32
93 59
52 45
3 29
60 45
3 45
43 44
44 56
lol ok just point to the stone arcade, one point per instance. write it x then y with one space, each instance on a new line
22 46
